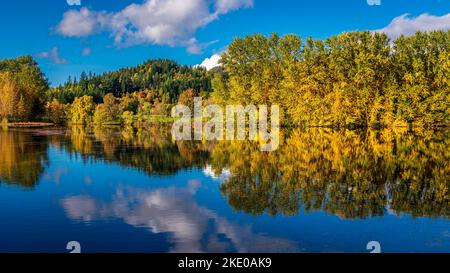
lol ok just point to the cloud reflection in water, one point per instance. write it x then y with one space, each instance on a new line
173 210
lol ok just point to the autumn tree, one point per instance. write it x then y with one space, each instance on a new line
354 79
187 98
108 111
82 109
23 88
56 111
8 95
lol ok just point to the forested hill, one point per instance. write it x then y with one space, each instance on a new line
167 78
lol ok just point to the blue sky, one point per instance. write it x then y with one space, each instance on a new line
101 35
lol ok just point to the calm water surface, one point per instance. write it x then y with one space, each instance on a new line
127 190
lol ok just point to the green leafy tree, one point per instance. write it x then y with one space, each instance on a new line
82 109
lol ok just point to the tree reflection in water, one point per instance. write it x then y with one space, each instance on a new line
23 158
352 174
346 173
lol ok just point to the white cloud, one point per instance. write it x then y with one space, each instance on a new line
74 2
225 6
52 55
405 25
160 22
82 23
211 62
374 2
86 51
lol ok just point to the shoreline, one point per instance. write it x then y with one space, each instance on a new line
28 124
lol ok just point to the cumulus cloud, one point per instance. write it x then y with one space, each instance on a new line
52 55
82 23
160 22
406 25
211 62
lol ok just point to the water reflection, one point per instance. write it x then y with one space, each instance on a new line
151 150
22 158
173 210
346 173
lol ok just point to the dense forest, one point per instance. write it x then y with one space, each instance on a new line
164 77
355 79
352 79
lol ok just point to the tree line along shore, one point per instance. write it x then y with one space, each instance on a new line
354 79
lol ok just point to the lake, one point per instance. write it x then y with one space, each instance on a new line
137 190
